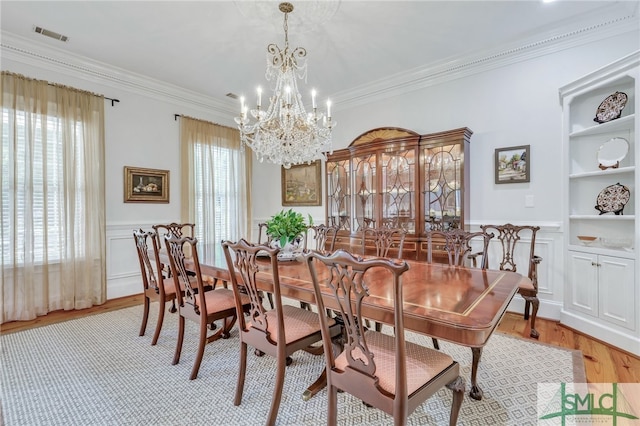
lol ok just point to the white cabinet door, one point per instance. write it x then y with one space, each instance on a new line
618 300
583 282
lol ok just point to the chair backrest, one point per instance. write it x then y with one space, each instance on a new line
191 294
457 245
511 250
348 279
384 239
178 229
242 264
324 238
151 275
263 227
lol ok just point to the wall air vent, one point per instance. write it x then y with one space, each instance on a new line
51 34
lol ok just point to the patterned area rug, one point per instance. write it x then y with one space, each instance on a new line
98 371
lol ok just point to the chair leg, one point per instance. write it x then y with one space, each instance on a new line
176 356
156 335
332 411
526 309
305 305
145 316
241 374
458 388
277 392
535 304
199 354
270 297
436 345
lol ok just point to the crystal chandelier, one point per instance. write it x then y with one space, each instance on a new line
285 133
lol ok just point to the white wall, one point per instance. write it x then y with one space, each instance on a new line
517 104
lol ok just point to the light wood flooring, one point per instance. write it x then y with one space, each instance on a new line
603 363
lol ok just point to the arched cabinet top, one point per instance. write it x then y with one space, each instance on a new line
383 134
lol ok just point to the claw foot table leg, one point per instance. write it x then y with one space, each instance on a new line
476 392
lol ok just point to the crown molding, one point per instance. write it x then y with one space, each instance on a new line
32 53
40 55
454 68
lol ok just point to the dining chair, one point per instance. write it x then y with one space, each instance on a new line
456 243
262 229
277 332
198 304
324 238
384 371
387 241
177 229
514 249
155 287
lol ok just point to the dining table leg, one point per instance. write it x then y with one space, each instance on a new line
316 386
476 392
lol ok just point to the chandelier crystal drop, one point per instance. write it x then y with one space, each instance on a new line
285 133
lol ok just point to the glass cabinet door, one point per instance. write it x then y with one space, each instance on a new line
365 191
398 207
442 187
339 194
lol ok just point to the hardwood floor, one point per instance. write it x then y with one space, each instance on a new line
603 363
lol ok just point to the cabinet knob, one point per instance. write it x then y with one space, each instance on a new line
595 264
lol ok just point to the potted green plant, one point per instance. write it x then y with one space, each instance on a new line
286 227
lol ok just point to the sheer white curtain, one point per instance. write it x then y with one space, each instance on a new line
52 227
216 181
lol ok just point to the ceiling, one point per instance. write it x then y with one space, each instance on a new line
219 47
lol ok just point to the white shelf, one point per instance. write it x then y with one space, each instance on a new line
601 173
604 217
622 123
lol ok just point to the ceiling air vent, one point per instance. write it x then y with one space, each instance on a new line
232 95
51 34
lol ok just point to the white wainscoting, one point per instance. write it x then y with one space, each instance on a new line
123 267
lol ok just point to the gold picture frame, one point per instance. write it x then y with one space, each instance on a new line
302 185
146 185
512 164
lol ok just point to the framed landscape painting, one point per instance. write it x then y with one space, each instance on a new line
146 185
512 164
302 185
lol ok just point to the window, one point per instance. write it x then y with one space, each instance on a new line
35 185
215 178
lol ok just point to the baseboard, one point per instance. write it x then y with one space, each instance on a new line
600 331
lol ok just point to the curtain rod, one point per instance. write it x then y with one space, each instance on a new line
175 118
113 101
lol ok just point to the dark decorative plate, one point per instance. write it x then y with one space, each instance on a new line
612 199
611 107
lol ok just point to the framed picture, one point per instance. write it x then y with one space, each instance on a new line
512 164
302 185
146 185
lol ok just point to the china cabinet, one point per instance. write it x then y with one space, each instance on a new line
601 156
398 178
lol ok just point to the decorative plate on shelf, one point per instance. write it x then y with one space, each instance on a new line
611 107
612 152
612 199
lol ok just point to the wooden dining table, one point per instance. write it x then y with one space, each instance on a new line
456 304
